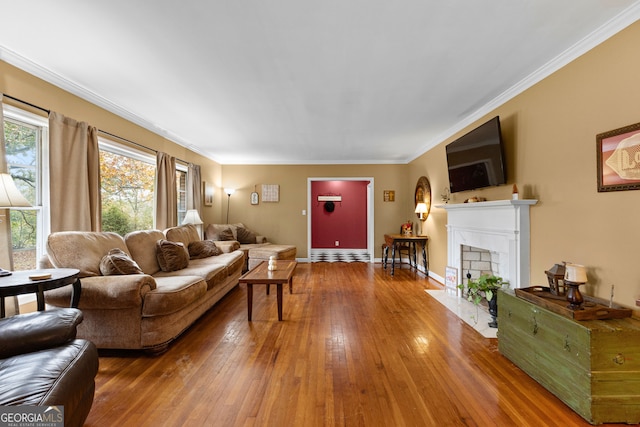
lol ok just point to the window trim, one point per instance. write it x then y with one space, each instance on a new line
43 199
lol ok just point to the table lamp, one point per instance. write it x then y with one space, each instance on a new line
10 197
421 211
192 217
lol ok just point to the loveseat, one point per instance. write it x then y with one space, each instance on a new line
42 363
256 248
147 308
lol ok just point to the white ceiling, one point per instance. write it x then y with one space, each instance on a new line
300 81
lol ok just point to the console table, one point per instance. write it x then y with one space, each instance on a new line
593 366
391 240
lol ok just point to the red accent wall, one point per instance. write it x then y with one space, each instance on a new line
347 223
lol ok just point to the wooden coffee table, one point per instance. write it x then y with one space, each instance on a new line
261 275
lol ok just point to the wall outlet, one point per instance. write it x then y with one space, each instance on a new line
337 242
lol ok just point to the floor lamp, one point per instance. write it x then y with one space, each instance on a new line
229 192
10 197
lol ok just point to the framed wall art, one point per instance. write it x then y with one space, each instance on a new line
270 193
207 194
451 278
619 159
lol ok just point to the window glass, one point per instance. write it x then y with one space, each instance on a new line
127 183
181 183
23 148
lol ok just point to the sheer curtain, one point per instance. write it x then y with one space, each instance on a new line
166 192
194 188
74 167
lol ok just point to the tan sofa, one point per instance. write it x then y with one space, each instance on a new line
256 248
245 241
140 311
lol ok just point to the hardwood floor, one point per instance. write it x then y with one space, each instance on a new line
357 347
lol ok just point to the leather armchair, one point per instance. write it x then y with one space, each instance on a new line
43 364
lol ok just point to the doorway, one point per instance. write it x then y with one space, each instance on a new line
340 219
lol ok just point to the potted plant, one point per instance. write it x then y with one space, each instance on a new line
486 286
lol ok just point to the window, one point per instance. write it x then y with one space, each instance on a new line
181 183
25 138
127 183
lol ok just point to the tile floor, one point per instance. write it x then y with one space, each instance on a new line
339 256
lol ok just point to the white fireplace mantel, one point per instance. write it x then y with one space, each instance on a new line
499 226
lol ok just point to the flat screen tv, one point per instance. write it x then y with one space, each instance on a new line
476 160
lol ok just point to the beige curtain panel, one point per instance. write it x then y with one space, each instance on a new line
166 192
194 188
3 148
74 165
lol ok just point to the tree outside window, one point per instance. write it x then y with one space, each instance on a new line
127 193
22 148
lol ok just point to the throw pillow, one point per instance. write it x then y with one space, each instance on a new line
118 262
223 235
172 256
245 236
203 249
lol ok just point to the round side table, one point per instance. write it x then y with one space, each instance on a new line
19 283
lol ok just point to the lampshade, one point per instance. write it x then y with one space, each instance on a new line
421 210
229 191
575 273
192 217
10 196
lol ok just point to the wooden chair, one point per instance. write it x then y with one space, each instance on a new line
403 247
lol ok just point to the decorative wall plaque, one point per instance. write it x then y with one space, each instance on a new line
270 193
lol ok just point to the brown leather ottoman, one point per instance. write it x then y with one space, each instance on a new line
257 255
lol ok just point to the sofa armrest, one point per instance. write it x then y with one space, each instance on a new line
106 292
25 333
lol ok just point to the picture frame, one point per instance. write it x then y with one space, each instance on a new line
270 193
255 199
451 278
207 194
389 195
618 154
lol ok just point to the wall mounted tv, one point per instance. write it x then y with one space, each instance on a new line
476 160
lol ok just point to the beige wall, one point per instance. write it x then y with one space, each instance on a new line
283 222
26 87
550 132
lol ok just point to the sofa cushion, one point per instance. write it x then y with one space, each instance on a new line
142 247
224 235
118 261
172 294
184 233
221 231
82 249
203 249
172 256
245 235
228 245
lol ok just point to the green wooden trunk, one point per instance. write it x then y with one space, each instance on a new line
593 366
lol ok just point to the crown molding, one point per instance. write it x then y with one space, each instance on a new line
82 92
612 27
601 34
